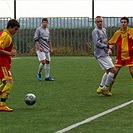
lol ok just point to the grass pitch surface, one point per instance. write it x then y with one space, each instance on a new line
69 99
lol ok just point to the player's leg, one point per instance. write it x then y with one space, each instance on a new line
130 64
1 88
6 89
41 58
47 68
2 83
101 63
102 83
118 64
110 70
107 64
114 78
4 96
40 68
131 71
105 88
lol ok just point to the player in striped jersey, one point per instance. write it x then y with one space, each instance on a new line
43 49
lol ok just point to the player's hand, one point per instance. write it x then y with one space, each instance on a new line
110 52
51 50
13 52
40 49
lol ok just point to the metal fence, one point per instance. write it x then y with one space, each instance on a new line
69 36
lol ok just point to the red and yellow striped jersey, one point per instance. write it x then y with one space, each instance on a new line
6 43
124 42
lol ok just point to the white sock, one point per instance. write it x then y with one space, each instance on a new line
109 79
47 70
103 80
40 68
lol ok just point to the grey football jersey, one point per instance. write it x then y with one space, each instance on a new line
42 35
100 41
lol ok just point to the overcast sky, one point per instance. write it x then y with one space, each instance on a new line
66 8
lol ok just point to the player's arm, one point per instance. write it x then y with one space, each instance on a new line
38 45
97 40
111 46
4 52
5 41
110 51
36 38
51 47
113 41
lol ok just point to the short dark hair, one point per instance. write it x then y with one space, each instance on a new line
44 19
12 23
124 18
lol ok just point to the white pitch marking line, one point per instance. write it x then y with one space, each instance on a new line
94 117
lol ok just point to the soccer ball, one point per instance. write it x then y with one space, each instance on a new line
30 99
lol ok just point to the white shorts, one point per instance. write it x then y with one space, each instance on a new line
43 55
105 63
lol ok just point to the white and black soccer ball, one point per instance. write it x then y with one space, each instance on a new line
30 99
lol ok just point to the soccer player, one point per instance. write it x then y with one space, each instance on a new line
101 49
7 51
43 49
123 37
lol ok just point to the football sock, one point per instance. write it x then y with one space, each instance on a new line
40 68
113 81
109 79
47 70
6 91
103 80
1 87
2 103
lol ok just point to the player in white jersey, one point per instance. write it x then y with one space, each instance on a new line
101 49
43 49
